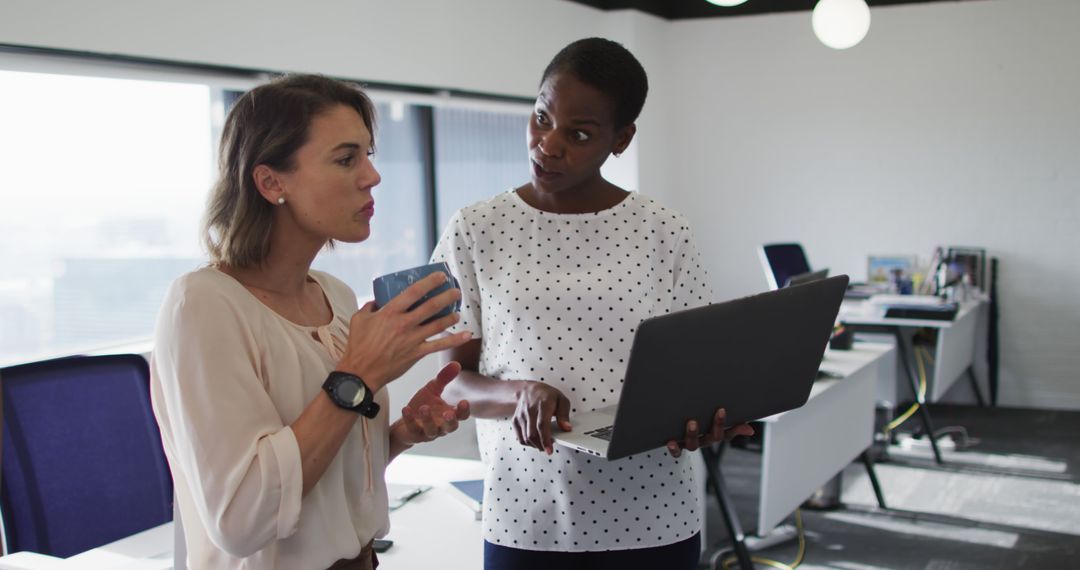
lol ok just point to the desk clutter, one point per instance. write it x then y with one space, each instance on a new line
916 307
952 293
907 307
951 274
954 273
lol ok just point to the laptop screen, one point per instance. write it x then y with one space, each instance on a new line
785 260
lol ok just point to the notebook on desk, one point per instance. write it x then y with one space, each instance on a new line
756 357
943 312
471 493
919 307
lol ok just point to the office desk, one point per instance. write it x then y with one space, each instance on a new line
803 449
148 550
806 447
954 350
433 529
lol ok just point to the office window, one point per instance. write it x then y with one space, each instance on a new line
102 183
478 154
105 170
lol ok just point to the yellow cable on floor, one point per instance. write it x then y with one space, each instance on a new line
726 564
919 355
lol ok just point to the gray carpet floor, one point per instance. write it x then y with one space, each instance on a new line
1008 497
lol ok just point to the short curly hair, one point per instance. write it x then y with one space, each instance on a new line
610 68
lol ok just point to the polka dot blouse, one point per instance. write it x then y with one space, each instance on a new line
556 298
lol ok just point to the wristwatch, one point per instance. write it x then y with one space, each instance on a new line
349 391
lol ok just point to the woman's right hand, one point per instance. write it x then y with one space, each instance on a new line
384 343
537 403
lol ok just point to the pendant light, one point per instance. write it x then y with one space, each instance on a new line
841 24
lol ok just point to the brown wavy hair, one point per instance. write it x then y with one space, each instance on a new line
266 125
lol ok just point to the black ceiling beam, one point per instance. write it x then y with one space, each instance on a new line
686 9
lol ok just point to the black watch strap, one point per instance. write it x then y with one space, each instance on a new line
343 387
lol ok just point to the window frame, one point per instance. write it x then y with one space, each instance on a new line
224 79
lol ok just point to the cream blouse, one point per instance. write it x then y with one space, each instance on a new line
228 377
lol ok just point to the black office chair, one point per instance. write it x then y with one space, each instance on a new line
782 261
82 459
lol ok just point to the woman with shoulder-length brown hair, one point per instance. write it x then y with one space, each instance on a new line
266 379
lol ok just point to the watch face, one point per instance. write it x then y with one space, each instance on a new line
350 391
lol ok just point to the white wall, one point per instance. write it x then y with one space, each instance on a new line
646 37
952 123
498 46
492 46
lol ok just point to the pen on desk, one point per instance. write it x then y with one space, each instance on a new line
412 494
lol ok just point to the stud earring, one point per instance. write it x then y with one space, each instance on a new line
281 200
617 154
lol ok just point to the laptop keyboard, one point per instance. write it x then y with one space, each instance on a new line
603 433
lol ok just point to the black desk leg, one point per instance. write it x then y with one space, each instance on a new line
727 507
975 387
924 413
872 473
992 333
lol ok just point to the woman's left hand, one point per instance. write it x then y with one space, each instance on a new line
427 416
693 439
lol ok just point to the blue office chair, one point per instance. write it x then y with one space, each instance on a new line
782 261
82 458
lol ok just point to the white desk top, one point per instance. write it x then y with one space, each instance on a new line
434 528
148 550
30 561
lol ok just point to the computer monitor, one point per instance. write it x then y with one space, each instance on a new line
782 261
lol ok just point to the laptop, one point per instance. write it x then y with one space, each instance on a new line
755 357
807 277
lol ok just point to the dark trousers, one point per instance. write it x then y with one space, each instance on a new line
678 556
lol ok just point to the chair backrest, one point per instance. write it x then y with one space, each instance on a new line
781 261
82 461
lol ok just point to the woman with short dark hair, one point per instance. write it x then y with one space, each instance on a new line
556 275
